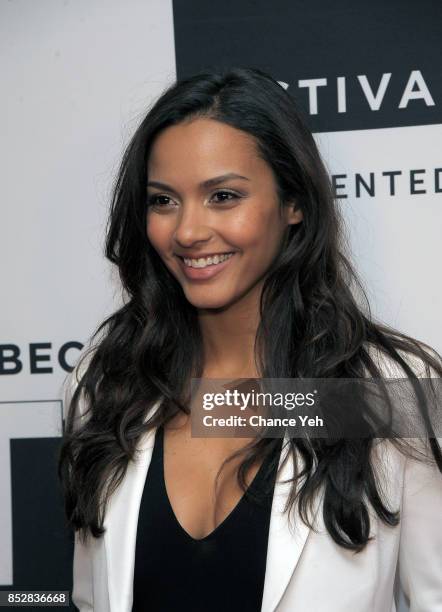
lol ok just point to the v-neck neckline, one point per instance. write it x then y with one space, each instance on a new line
226 520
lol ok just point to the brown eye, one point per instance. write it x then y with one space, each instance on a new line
226 196
158 200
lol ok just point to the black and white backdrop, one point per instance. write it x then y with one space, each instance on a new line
77 78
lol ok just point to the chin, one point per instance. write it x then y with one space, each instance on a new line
209 302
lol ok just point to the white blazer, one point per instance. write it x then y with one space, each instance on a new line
306 570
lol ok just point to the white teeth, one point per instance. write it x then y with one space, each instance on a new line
207 261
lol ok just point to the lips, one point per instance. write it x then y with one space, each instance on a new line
209 260
198 256
208 271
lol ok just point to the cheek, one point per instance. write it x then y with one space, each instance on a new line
246 224
259 231
157 233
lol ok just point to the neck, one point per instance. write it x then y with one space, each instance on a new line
229 336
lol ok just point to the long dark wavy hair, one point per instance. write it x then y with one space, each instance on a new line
315 321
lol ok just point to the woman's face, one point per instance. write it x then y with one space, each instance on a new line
211 196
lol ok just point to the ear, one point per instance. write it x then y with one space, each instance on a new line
293 213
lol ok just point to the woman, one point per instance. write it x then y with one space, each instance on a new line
232 264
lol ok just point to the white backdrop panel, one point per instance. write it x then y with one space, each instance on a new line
395 239
78 76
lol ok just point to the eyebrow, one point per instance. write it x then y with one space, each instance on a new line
216 180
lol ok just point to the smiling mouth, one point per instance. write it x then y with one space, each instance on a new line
201 270
205 262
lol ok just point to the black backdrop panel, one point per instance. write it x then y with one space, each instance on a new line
42 544
308 39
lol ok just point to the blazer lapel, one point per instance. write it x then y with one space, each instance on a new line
121 524
286 542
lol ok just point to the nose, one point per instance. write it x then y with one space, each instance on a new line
192 225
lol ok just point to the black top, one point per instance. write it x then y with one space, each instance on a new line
224 571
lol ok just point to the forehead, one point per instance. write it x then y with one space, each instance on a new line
205 144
